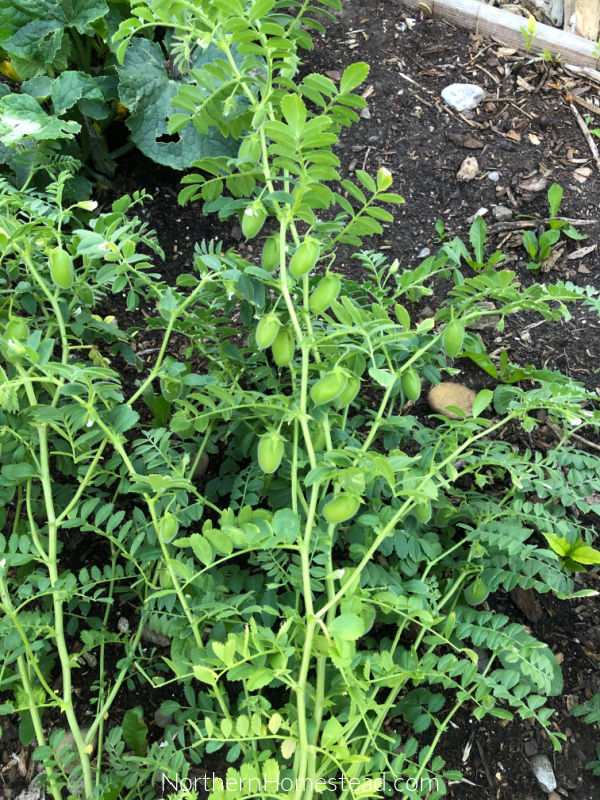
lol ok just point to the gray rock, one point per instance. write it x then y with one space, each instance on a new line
424 253
66 753
162 720
468 169
530 748
502 213
155 637
32 792
463 96
489 321
544 774
494 176
483 658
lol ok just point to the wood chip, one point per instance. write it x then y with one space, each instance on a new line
523 84
553 259
368 92
536 183
587 135
583 251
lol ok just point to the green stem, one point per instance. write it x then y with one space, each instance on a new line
322 660
117 684
404 508
37 723
101 690
82 51
57 601
31 701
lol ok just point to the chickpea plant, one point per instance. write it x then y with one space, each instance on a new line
319 582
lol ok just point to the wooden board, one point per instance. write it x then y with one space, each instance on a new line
587 18
506 28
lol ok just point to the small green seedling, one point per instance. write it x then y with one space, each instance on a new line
539 248
528 32
551 58
456 250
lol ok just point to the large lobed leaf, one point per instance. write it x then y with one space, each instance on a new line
32 31
147 91
21 117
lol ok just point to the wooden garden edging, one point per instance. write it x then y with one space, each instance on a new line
506 27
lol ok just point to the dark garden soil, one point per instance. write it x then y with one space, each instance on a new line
524 136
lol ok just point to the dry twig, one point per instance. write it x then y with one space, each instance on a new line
588 136
519 224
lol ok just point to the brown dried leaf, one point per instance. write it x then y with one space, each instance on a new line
465 140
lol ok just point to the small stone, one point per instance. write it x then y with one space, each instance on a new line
483 658
581 174
32 792
544 774
530 748
493 176
162 720
424 253
463 96
526 600
365 113
451 394
90 659
66 752
155 637
123 625
468 169
488 321
202 466
502 213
